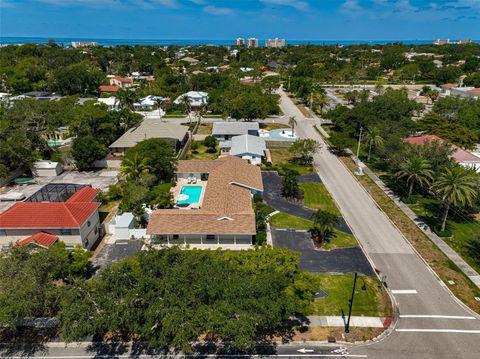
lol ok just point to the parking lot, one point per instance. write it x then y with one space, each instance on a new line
97 179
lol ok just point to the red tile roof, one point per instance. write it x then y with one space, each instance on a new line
475 91
41 239
86 194
459 154
47 214
108 88
124 79
449 85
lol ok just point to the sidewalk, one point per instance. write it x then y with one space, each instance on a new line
339 321
444 247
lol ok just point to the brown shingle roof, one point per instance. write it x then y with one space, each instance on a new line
227 195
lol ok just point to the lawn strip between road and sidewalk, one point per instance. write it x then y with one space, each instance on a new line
463 288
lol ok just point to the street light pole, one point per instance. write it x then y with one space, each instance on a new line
359 141
350 304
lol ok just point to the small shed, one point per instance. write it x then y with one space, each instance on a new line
122 225
45 168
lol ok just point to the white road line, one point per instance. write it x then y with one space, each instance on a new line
434 316
439 331
404 291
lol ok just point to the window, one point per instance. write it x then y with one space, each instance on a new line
66 231
88 223
3 232
210 237
175 236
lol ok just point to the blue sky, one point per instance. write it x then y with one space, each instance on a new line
227 19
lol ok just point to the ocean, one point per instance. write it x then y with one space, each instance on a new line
66 41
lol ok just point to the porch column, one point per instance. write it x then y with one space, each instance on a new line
184 240
234 239
218 240
168 239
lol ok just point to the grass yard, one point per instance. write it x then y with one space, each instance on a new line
457 232
200 153
272 126
316 196
284 160
373 301
464 289
205 129
283 220
340 239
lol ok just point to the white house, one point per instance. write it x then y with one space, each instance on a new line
197 98
111 102
150 103
248 147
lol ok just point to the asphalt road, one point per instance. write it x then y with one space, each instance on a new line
433 323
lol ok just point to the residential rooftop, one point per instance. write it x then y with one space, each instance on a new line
234 128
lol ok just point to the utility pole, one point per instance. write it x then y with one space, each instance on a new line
350 304
289 82
359 171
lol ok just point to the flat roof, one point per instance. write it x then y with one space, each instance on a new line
234 128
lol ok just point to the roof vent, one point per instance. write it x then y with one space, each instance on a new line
225 219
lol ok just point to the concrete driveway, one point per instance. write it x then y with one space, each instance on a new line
343 260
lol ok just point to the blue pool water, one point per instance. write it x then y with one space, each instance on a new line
193 194
54 143
276 135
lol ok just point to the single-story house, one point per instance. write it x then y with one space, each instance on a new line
225 217
190 60
112 103
197 98
151 128
45 168
40 239
466 92
150 103
75 221
121 225
122 82
461 156
248 147
108 88
223 131
447 88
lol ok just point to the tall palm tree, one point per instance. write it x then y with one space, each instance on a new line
133 168
457 186
415 170
373 139
320 99
158 105
292 122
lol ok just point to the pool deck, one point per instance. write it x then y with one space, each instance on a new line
184 183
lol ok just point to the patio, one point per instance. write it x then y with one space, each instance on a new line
184 182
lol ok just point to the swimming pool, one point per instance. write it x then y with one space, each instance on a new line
279 134
189 195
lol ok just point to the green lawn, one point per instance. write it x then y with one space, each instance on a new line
205 129
272 126
284 160
373 301
340 239
200 153
457 232
316 196
283 220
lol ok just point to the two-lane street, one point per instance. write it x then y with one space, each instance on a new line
432 323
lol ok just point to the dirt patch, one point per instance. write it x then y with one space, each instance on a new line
326 333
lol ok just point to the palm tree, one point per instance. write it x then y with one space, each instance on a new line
292 122
373 139
415 170
457 186
323 225
158 104
133 168
320 99
126 99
